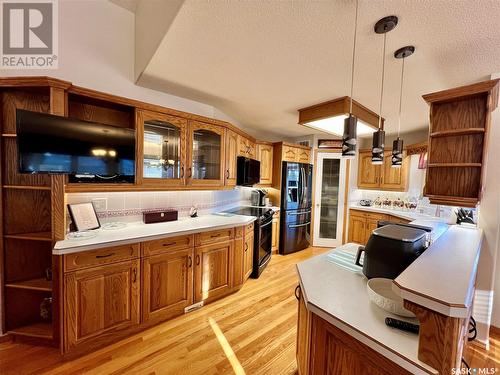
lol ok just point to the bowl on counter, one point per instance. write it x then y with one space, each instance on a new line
381 294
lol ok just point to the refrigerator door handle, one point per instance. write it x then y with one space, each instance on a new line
299 213
299 225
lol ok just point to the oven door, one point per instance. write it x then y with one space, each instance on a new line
265 240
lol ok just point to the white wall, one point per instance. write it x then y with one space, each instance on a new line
96 50
487 303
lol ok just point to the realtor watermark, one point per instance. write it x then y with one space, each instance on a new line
475 371
29 34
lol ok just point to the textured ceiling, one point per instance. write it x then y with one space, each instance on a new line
260 61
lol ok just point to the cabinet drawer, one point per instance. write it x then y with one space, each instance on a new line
239 231
167 244
92 258
213 236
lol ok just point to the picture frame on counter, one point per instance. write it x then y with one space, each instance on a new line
84 216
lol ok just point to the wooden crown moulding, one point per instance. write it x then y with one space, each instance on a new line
296 145
462 92
337 107
416 148
36 81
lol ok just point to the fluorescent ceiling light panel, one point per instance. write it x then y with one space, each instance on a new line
335 125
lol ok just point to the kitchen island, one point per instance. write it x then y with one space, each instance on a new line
338 327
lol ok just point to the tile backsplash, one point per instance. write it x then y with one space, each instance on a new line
129 206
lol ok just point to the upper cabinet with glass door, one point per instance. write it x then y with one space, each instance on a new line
162 146
207 154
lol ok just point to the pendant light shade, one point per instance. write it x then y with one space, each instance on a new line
397 153
397 146
349 140
383 26
378 147
350 123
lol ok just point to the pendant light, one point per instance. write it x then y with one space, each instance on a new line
397 145
383 26
349 140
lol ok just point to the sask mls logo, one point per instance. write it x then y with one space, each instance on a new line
29 34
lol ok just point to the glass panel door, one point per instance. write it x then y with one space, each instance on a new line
162 150
329 200
207 154
163 141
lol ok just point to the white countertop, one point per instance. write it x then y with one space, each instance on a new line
340 297
451 261
407 215
139 231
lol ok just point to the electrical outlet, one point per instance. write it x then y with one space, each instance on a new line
100 204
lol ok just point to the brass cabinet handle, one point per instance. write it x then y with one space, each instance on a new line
135 275
190 261
190 172
246 246
168 244
227 173
182 171
105 256
198 260
215 235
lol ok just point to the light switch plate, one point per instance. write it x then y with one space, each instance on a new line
100 204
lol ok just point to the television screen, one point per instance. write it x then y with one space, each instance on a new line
86 151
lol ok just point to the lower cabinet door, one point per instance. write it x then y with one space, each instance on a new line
239 262
357 232
249 255
213 271
167 285
101 301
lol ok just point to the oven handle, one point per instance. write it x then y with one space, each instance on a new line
266 224
299 213
299 225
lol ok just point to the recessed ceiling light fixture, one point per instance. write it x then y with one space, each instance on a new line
349 140
383 26
397 145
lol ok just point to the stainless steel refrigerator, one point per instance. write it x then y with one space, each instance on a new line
296 204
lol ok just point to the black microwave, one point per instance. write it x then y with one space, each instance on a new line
247 171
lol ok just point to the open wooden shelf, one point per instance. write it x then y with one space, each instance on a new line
26 187
40 330
35 236
456 132
453 165
40 284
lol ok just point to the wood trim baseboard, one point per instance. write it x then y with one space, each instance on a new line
495 331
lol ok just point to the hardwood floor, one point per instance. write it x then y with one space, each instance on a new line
250 332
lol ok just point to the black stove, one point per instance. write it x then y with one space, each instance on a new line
261 213
263 235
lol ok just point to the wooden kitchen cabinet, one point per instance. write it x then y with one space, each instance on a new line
248 254
162 149
303 346
382 177
275 232
246 147
335 352
362 224
304 156
290 153
265 156
206 154
167 287
100 302
368 174
231 154
213 271
357 228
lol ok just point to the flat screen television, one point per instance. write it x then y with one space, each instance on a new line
86 151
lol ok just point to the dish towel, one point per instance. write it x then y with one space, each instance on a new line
344 259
